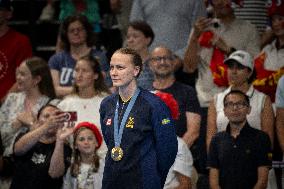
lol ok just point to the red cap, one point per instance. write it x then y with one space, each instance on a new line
93 128
171 102
276 8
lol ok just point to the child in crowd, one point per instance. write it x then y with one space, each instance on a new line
85 170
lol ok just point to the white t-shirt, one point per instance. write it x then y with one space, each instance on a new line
274 57
183 165
87 110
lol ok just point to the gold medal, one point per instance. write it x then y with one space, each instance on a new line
116 153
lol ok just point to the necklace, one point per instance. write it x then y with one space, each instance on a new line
124 104
86 102
126 100
28 104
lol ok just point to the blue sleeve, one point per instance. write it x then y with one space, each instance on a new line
102 116
54 62
165 138
279 99
104 110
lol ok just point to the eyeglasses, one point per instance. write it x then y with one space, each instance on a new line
165 58
237 105
75 30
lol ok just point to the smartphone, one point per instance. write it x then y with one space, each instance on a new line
70 116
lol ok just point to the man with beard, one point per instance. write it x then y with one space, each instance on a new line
163 66
239 157
14 48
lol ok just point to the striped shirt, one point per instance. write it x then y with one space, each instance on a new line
254 11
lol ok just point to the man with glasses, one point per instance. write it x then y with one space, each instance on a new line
163 64
239 157
163 67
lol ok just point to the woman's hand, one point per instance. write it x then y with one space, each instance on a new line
66 131
24 119
201 25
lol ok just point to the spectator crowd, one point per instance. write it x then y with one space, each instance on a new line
145 94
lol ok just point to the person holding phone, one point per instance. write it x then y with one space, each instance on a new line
41 155
88 91
138 129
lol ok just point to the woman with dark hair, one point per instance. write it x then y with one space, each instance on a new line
20 109
139 37
88 91
76 35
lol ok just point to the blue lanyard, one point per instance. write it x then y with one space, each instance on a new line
118 132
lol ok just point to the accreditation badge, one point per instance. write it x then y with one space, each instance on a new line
116 153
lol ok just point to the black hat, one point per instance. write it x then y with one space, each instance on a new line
5 4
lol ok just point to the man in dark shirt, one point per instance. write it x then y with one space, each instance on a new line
163 67
240 157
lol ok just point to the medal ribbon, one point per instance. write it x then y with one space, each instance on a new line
118 132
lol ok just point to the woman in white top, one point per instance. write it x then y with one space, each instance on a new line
240 76
88 92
